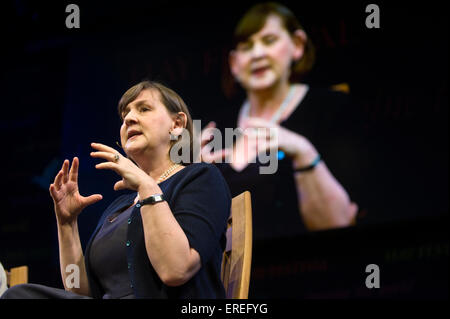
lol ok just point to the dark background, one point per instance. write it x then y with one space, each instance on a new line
60 89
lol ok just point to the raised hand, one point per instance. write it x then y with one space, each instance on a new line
132 175
294 145
68 202
206 154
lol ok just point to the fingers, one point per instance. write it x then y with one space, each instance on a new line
104 148
108 165
64 175
206 138
207 133
58 180
210 125
259 128
105 155
60 176
52 191
89 200
119 185
257 122
109 154
73 173
215 157
65 170
206 153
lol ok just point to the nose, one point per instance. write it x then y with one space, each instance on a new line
130 118
258 50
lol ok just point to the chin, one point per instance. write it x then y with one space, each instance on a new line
261 84
132 149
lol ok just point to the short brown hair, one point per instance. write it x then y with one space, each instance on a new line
170 99
254 20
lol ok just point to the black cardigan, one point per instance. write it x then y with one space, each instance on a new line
334 125
200 201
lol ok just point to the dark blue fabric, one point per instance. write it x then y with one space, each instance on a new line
108 256
334 125
200 201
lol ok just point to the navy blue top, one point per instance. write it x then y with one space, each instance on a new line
108 256
334 125
200 202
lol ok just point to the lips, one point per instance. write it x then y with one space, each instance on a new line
260 70
133 133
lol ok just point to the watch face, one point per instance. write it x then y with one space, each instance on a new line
152 200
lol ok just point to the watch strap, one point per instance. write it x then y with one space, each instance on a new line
311 166
153 199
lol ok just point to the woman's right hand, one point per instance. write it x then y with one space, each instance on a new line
67 200
206 153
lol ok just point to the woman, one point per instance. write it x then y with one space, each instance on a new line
164 240
270 49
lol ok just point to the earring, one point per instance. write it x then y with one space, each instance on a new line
173 137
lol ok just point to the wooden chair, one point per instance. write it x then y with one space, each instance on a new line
237 257
17 275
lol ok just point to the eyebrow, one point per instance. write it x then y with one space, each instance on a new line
138 104
262 36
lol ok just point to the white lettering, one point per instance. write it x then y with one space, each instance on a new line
373 19
373 280
193 309
73 280
73 19
246 308
251 143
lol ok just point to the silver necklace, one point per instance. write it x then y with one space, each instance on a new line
274 119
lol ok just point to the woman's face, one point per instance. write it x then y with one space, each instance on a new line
266 57
146 124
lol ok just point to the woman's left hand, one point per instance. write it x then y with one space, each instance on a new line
132 175
294 145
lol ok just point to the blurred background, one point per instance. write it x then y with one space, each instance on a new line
60 89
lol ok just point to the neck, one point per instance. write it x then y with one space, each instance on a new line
154 165
268 99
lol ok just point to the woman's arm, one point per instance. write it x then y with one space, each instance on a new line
71 253
324 203
68 204
166 243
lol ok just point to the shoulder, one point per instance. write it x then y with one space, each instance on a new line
196 170
198 173
200 181
324 97
198 166
321 103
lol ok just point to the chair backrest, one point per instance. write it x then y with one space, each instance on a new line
17 275
237 258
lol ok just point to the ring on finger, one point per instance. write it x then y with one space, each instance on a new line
116 157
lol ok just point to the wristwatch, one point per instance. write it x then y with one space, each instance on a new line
311 166
156 198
